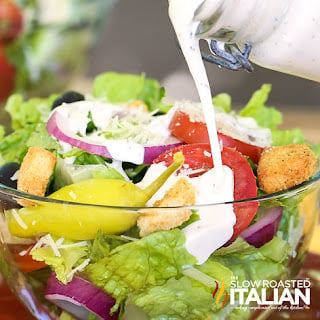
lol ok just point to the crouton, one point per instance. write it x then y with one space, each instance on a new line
181 194
35 171
138 104
285 166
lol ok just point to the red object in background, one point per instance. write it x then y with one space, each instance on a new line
10 307
7 76
11 25
11 21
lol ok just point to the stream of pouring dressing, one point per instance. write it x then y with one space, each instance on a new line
215 226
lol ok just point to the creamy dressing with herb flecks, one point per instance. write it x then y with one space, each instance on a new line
215 226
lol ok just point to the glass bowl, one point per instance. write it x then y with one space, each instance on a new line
276 260
50 43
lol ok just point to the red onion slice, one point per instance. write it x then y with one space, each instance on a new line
57 126
79 297
263 230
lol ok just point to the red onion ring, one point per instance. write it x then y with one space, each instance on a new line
263 230
57 126
79 297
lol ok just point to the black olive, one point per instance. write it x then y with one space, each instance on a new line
6 173
67 97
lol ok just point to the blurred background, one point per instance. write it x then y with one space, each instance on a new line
59 42
138 37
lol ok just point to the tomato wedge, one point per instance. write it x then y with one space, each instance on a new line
198 157
191 131
25 262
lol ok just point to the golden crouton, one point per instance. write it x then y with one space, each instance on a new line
138 104
181 194
35 171
285 166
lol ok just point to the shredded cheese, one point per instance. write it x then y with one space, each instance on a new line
78 268
47 240
19 220
73 245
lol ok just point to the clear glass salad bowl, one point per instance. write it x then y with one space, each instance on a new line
279 246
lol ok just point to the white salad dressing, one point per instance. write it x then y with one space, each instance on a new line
245 129
132 138
215 226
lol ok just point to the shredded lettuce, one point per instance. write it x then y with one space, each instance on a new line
83 157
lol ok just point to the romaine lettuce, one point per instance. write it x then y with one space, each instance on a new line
256 108
28 122
270 117
137 265
71 256
119 88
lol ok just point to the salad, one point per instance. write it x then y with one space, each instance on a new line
127 180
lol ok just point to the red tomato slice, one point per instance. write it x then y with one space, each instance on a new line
25 262
198 156
191 131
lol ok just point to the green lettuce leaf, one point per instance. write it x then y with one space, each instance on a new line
28 118
250 263
256 108
285 137
68 173
316 149
176 299
222 102
270 117
119 88
62 265
24 113
13 147
190 296
134 266
42 139
103 244
83 157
